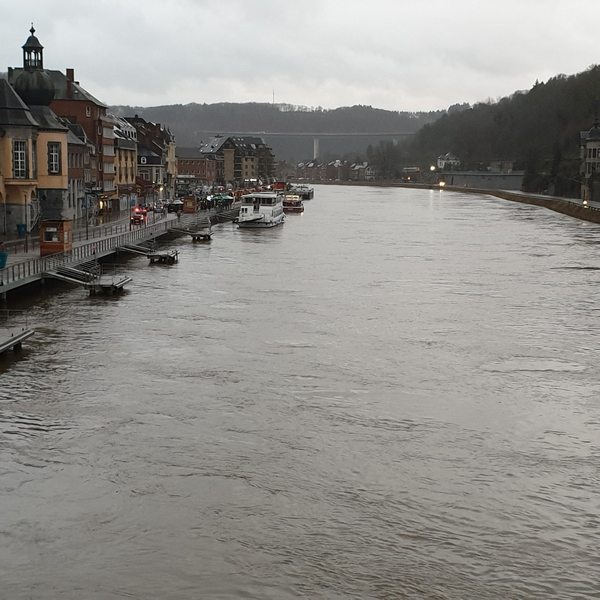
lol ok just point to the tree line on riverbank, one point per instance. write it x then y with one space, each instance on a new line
195 123
538 130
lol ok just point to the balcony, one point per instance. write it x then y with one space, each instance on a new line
17 181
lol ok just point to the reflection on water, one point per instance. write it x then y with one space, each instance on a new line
392 396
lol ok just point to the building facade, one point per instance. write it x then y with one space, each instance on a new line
18 161
240 161
590 164
191 162
81 163
34 160
156 160
126 161
73 103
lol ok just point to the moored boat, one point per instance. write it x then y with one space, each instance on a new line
304 191
260 209
292 203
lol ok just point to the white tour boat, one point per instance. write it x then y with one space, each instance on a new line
261 209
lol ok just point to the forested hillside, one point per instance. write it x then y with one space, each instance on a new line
193 123
538 129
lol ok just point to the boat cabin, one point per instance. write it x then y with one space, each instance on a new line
260 209
259 199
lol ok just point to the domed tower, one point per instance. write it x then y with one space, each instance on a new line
33 52
33 84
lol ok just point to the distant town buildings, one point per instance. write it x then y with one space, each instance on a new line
229 161
335 170
590 164
447 161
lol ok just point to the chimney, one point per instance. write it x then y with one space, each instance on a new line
70 78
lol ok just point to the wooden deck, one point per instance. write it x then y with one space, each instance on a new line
165 257
202 236
108 284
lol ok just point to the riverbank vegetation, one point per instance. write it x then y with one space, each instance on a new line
537 130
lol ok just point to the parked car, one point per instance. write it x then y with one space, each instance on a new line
140 209
138 218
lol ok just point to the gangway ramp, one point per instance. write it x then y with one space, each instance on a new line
15 341
93 276
13 333
144 249
200 230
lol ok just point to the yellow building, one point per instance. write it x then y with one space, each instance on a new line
18 162
126 159
52 165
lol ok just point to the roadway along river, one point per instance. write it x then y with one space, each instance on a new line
394 395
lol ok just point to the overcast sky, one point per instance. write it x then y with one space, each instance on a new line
406 55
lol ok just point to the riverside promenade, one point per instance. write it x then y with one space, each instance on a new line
574 207
25 266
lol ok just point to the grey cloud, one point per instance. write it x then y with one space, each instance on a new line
397 54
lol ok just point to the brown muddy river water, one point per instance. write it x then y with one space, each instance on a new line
394 395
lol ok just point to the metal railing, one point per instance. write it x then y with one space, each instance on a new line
113 236
35 267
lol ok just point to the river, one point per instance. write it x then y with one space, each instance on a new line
394 395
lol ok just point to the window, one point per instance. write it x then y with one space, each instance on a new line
88 111
19 150
34 173
50 234
53 158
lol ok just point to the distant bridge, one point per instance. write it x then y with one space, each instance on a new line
394 135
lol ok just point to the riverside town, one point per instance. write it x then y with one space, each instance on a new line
71 172
252 349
